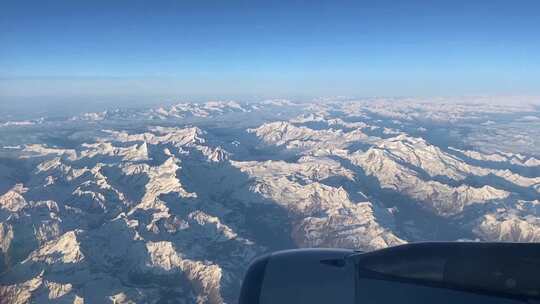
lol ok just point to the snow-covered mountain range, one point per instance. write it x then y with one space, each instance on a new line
170 204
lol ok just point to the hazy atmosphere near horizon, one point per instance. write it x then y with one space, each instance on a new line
149 150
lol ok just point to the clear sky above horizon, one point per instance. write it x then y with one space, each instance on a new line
66 49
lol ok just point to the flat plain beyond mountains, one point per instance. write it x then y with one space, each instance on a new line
170 204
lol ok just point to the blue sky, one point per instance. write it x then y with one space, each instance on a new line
174 49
